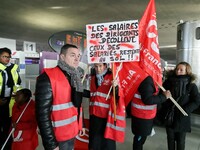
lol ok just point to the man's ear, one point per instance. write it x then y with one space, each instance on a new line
62 57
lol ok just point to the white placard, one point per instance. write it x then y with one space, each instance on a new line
29 47
113 42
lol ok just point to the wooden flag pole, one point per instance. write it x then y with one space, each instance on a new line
114 102
85 73
114 78
175 103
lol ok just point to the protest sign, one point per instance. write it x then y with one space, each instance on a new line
113 42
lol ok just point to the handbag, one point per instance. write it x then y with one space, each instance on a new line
169 117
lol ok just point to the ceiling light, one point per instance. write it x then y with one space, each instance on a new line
56 7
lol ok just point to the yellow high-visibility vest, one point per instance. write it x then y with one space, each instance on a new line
16 87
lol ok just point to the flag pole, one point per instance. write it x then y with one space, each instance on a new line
85 73
173 100
13 129
114 78
114 102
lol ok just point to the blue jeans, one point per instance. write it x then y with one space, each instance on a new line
67 145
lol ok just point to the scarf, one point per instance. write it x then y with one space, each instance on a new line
74 74
100 77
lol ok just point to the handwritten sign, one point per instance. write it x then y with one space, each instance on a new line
113 42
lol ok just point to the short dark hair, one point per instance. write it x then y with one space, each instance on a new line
65 47
5 49
27 93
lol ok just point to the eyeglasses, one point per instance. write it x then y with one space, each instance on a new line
8 57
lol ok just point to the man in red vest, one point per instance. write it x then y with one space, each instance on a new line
58 99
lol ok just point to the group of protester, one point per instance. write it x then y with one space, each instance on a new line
57 109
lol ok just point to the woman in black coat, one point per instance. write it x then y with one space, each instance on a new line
185 92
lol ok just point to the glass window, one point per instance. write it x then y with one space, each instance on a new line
198 33
179 35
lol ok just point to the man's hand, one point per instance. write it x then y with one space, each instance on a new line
167 93
82 132
57 148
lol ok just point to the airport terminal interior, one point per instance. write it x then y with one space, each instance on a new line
36 30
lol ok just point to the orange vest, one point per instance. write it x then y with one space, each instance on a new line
140 110
99 106
115 129
64 114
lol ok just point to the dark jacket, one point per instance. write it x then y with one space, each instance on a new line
146 89
43 99
188 97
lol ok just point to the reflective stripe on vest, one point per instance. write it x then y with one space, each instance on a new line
99 94
115 127
146 107
116 123
14 74
2 68
64 122
62 106
111 125
59 107
15 77
117 116
99 104
137 96
140 110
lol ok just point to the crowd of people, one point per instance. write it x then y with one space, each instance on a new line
57 113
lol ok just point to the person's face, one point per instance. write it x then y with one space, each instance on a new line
72 57
181 70
100 68
20 98
5 58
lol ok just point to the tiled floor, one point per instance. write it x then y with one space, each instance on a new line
156 142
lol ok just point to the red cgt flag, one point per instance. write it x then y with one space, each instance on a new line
130 77
148 37
133 73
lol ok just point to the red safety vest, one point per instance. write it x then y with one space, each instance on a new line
99 106
115 129
64 114
140 110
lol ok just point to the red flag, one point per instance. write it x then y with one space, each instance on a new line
148 37
133 73
130 77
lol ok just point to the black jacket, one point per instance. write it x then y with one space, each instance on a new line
43 99
183 89
146 89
